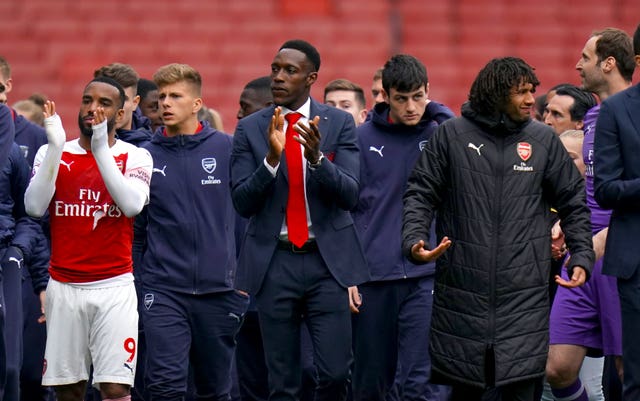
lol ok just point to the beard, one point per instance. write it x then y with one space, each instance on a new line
87 130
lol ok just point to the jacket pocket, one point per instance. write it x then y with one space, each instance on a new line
342 220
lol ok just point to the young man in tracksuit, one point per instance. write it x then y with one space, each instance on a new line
392 325
30 137
22 243
30 240
190 312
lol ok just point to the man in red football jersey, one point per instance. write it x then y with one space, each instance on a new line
92 187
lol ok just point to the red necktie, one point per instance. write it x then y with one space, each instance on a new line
296 209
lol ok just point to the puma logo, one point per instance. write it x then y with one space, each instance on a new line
18 261
161 171
378 151
476 148
67 165
97 215
128 367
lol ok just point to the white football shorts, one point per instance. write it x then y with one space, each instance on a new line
90 325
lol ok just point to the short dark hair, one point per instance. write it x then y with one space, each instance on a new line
38 98
403 73
582 101
306 48
124 74
558 86
378 74
342 84
112 82
262 88
260 84
491 88
616 43
636 41
145 86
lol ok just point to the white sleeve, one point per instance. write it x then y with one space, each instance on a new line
272 170
45 169
131 190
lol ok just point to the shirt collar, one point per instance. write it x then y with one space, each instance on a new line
305 109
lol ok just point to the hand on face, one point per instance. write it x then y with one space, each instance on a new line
99 127
99 117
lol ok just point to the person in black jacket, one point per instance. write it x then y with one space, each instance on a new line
491 177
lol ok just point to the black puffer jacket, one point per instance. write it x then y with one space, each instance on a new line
492 185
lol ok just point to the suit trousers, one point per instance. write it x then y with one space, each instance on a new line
297 285
251 367
629 293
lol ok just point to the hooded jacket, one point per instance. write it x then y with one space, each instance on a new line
30 137
17 229
190 246
140 132
388 153
491 183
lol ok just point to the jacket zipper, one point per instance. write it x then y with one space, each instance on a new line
496 242
185 167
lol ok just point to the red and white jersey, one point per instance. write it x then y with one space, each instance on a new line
90 236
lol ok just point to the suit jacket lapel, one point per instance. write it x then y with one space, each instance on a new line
633 106
323 125
263 124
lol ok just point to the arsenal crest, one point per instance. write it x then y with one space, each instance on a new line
524 150
209 164
148 300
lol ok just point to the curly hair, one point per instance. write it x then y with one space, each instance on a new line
491 88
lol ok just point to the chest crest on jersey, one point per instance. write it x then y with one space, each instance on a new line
209 165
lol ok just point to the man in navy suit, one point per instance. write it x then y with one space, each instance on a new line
298 271
617 187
